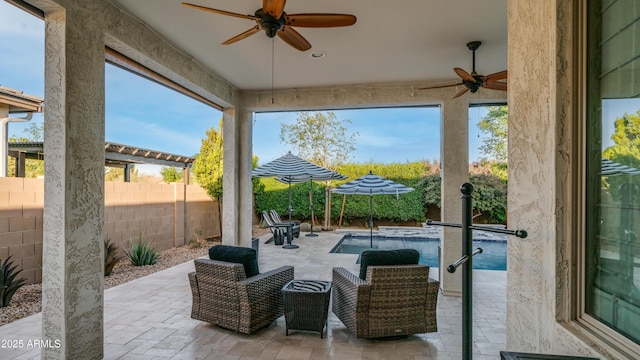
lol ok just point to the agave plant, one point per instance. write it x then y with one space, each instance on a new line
141 253
8 283
111 257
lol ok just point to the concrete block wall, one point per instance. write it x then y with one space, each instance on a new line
21 205
201 214
166 215
134 210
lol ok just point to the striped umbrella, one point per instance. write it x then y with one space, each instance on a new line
292 169
612 168
371 184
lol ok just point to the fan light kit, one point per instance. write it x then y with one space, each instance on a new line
473 81
274 21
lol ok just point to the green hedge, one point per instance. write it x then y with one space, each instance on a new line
489 196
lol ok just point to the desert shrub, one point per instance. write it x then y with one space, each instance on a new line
8 282
198 240
111 257
141 253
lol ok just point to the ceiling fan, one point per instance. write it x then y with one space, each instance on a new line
474 81
274 21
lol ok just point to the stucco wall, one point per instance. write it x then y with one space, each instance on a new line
131 209
543 147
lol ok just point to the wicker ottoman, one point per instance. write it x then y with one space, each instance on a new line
306 305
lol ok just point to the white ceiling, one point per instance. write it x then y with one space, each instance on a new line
392 41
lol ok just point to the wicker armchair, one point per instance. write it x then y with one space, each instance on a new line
393 301
223 296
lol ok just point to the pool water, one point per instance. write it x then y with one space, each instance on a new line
493 257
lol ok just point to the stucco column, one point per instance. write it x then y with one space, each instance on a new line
236 183
72 276
454 165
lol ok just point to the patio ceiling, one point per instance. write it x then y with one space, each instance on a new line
392 41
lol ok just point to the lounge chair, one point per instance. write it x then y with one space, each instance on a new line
295 223
390 300
232 294
279 231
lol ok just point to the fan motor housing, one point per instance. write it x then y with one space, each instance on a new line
269 24
473 86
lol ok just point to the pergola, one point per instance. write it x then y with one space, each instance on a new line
115 155
14 101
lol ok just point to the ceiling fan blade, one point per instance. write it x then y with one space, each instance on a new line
495 85
221 12
461 92
244 35
464 75
293 38
495 76
273 7
319 20
440 86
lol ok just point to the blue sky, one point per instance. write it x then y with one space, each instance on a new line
147 115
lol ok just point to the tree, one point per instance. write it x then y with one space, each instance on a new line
32 167
626 138
322 139
208 166
35 131
495 124
626 151
170 174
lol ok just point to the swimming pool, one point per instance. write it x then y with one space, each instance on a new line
493 257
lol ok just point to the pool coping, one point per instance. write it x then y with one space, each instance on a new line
424 232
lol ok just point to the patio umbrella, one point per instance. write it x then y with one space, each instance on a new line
612 168
293 169
371 184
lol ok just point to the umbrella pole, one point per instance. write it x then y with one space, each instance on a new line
311 234
371 220
344 199
290 227
290 202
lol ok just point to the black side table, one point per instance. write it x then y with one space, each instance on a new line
306 305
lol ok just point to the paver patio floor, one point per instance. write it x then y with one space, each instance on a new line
149 318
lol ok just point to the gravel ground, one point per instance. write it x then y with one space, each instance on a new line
28 299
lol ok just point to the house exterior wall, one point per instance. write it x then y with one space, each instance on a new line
544 120
131 210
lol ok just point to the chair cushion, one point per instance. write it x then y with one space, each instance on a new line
387 257
236 254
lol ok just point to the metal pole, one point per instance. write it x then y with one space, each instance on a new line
370 220
311 234
467 263
290 209
467 269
